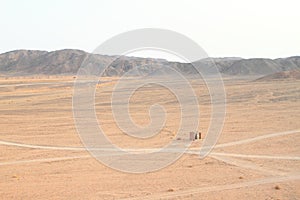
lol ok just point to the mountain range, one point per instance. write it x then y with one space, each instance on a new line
68 61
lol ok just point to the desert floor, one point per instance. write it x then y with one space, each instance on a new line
257 154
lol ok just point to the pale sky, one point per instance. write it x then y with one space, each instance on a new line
246 29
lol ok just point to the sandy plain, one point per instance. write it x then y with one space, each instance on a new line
257 155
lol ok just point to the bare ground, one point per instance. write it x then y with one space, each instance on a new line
257 155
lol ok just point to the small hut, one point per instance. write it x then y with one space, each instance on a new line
195 135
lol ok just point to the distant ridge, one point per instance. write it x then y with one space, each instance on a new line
68 61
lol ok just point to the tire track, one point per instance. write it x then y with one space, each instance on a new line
216 155
83 148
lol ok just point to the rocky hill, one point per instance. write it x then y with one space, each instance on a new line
285 75
68 61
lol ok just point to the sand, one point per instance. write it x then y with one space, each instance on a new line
42 156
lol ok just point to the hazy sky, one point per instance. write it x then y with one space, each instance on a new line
253 28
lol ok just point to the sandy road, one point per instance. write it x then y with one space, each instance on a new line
190 151
216 155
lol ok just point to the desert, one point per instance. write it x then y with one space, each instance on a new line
149 100
257 154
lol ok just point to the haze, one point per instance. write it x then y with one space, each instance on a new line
222 28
